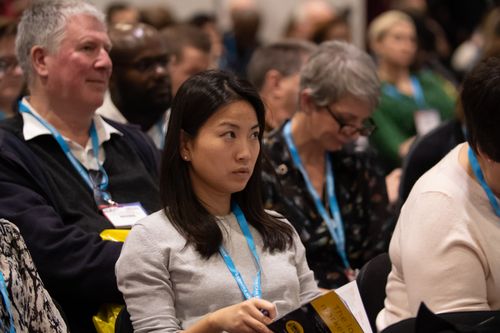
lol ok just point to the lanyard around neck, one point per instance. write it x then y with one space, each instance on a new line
418 93
6 302
102 187
476 168
335 225
257 290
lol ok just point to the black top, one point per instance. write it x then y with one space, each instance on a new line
56 213
427 151
362 197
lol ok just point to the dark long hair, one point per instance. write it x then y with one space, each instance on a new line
196 101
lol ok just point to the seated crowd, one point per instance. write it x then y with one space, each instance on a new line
140 169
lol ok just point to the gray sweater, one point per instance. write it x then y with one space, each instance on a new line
168 287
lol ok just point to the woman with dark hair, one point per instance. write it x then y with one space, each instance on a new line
187 267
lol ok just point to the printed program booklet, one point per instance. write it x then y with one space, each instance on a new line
337 311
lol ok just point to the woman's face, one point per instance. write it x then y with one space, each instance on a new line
398 45
326 121
222 155
11 80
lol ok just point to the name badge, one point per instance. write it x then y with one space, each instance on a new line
124 215
426 120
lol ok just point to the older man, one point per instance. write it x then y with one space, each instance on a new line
274 70
65 173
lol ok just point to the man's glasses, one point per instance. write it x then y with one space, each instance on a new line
8 64
149 64
348 129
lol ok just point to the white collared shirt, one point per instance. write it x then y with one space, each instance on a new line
156 133
32 128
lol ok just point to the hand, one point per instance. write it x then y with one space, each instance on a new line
245 317
392 181
404 148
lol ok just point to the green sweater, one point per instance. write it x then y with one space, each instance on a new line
394 115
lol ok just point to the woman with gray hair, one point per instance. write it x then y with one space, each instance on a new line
334 195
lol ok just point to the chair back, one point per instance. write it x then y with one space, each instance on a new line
450 322
371 281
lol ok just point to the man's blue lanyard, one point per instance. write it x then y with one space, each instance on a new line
335 225
418 93
6 302
102 187
257 291
476 168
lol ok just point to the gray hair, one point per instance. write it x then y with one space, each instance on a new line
44 23
338 69
286 56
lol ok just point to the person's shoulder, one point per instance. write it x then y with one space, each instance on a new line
439 141
12 143
446 177
154 221
426 75
274 137
8 228
126 129
276 150
11 127
139 141
158 225
429 78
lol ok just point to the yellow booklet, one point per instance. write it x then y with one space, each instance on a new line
324 314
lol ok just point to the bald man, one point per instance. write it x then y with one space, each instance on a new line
140 87
308 16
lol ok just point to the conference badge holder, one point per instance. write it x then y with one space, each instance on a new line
426 120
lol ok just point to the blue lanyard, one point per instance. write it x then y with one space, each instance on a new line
476 168
335 225
418 93
102 187
257 291
5 298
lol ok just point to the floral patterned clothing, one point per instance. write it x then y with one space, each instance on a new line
31 305
362 197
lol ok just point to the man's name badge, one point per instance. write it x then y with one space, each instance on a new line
124 215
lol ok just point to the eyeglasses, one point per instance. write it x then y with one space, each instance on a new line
148 64
348 129
8 64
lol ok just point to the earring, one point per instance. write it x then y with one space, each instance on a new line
185 157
